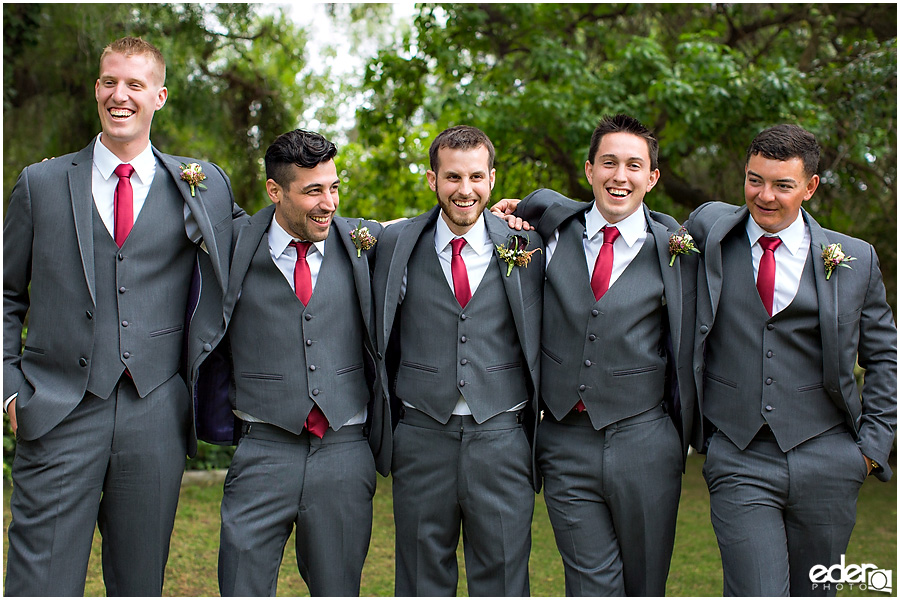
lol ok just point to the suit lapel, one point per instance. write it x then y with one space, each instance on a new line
248 238
712 254
671 277
827 292
499 233
201 216
361 278
406 241
82 208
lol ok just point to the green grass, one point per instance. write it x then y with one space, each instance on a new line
695 570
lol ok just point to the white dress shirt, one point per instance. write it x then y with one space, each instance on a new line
632 234
790 258
285 257
104 180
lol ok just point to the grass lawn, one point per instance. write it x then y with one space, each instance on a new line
695 571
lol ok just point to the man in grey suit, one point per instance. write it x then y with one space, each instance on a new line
616 380
459 329
781 322
99 250
300 314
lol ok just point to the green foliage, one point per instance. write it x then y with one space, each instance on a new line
209 457
706 78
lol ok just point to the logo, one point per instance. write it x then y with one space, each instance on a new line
862 577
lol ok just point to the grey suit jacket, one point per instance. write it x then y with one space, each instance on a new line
546 210
48 245
523 290
855 320
249 233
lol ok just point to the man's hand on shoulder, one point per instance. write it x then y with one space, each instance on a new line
505 209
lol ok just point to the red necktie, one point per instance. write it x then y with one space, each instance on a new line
460 275
316 423
765 279
602 272
123 204
603 266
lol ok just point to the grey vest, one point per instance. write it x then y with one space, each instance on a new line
609 353
287 356
762 369
447 351
142 292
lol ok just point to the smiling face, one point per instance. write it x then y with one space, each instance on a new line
775 189
305 207
620 175
129 91
463 185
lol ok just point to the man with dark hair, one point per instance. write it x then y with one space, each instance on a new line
616 384
781 322
99 248
299 311
458 325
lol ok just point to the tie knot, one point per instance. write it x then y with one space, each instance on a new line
124 170
610 234
302 248
769 243
457 245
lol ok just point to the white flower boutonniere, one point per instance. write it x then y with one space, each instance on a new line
514 253
834 257
193 174
681 243
362 239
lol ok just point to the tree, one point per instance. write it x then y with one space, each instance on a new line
706 78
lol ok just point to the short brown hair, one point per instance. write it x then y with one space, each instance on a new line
624 124
784 142
130 46
460 137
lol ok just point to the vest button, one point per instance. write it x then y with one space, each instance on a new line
582 387
309 342
463 316
207 347
463 339
704 329
769 407
312 367
315 392
462 383
124 323
120 256
463 361
595 312
769 354
82 361
768 381
89 314
587 363
122 290
379 356
770 327
592 337
126 355
307 317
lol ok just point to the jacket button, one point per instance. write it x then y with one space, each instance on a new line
89 314
207 347
126 355
770 327
379 356
704 329
82 361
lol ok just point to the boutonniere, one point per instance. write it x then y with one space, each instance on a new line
681 242
513 253
362 239
834 256
193 174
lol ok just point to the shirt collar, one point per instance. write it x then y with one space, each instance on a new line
144 163
279 240
631 228
791 236
476 237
